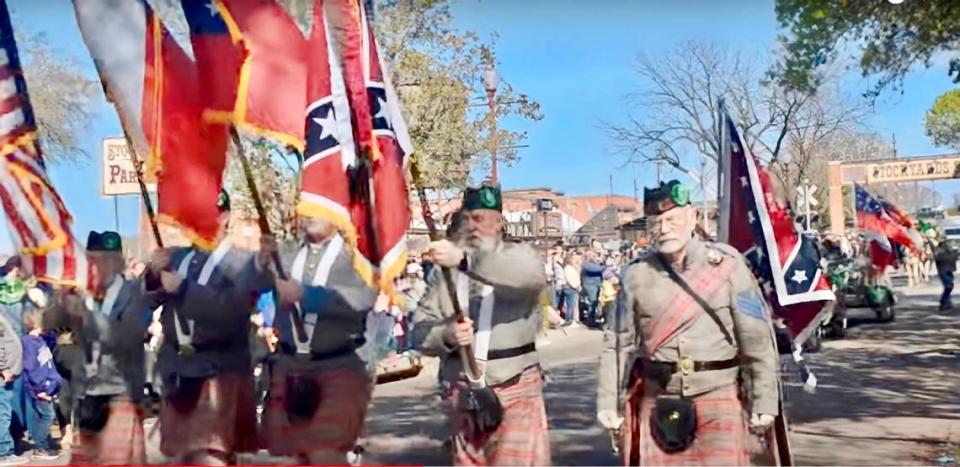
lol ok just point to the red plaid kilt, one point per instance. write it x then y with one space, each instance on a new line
722 433
223 420
335 426
522 439
120 442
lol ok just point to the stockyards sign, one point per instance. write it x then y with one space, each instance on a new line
906 170
119 176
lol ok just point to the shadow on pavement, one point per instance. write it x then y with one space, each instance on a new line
412 430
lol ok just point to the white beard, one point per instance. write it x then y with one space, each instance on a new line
671 246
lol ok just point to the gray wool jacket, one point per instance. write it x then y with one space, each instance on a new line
516 274
11 349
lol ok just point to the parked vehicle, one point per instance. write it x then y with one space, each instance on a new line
853 292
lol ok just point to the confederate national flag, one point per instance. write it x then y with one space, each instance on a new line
872 217
785 262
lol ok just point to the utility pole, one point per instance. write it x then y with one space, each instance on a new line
610 197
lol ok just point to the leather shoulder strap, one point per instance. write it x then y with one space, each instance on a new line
678 279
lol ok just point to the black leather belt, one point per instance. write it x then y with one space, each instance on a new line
213 346
345 350
676 367
511 352
661 372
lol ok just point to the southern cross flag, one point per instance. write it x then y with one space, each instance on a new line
37 218
752 220
874 219
364 194
154 86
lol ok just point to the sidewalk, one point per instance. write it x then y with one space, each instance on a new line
889 394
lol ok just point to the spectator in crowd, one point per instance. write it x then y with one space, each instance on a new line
946 259
608 295
11 364
43 383
571 289
591 275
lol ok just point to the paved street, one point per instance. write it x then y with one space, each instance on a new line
887 395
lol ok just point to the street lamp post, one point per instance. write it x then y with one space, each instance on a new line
490 82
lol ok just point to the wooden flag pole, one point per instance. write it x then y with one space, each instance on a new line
466 352
265 224
138 165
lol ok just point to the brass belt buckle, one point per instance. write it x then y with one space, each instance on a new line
186 349
686 366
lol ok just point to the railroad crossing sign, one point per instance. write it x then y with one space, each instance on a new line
805 195
805 198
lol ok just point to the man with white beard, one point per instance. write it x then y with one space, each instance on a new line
694 334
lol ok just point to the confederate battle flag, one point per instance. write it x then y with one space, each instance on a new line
755 222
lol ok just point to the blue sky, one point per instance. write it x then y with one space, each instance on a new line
575 58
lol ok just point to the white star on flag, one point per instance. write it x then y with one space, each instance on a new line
743 181
327 125
750 217
381 108
213 9
759 251
799 276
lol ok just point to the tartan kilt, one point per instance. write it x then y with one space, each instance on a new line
338 422
522 439
223 420
120 442
722 433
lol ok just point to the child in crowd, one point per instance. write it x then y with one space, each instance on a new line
608 295
42 383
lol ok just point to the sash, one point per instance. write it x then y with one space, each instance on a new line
185 338
320 278
92 366
481 344
679 313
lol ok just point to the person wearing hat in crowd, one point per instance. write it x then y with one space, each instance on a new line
208 414
19 295
498 285
695 334
109 327
320 386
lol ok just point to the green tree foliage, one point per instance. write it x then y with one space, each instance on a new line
942 121
890 38
437 71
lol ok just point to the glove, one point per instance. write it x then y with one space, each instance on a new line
759 423
37 297
609 419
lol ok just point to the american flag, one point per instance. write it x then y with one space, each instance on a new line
785 262
37 218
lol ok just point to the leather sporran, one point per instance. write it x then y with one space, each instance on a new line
186 393
674 423
93 412
484 411
302 397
